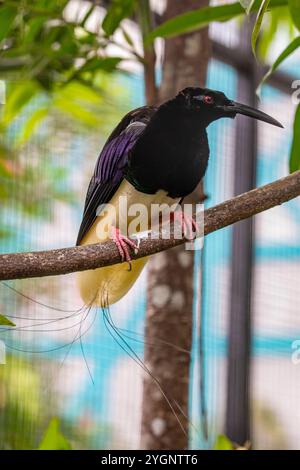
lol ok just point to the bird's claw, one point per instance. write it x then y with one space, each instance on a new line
123 243
188 224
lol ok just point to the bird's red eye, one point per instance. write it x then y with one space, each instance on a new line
208 99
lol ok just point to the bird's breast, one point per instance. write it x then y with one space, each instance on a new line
172 159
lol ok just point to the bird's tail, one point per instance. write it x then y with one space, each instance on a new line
108 285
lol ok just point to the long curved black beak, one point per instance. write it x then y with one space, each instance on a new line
234 108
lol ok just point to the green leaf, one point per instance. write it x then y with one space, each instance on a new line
53 438
119 10
7 16
127 37
294 6
197 19
76 111
295 44
34 27
279 18
78 92
5 321
87 15
258 22
19 95
295 149
223 443
31 124
108 64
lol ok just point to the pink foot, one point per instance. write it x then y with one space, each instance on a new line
188 224
122 244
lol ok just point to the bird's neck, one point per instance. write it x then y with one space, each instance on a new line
188 121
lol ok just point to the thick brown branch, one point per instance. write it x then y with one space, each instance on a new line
80 258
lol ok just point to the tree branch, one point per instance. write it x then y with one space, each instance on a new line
80 258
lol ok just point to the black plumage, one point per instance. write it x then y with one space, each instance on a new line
164 148
161 151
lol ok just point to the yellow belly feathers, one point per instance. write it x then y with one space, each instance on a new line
105 286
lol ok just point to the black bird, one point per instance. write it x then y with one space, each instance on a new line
154 155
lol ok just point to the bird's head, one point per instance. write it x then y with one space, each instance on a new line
213 105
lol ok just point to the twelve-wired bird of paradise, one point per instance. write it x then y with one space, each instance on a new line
154 156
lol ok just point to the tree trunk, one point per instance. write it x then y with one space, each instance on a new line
170 275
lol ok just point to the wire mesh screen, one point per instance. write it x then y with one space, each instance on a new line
64 360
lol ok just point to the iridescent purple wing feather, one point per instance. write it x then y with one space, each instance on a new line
109 169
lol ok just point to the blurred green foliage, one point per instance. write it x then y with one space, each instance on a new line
45 53
277 19
40 42
294 45
118 10
5 321
223 443
20 403
53 438
258 23
200 18
27 406
56 71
